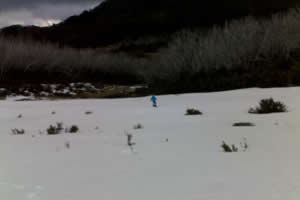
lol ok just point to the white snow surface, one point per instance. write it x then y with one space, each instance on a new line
189 166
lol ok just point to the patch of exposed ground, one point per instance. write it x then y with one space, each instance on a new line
71 91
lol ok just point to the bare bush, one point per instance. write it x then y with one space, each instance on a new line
232 148
129 136
30 57
240 43
16 131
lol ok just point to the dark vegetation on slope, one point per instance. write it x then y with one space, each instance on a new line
114 21
171 46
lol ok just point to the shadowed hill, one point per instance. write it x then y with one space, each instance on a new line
117 20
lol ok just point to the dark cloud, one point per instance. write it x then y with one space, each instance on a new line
17 4
41 12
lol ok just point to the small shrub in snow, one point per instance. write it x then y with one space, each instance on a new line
72 129
234 148
192 111
238 124
55 129
129 139
68 145
16 131
130 143
244 145
267 106
227 148
88 112
20 116
138 126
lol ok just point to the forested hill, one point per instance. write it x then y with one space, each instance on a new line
116 20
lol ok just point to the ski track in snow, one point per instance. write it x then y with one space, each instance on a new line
28 193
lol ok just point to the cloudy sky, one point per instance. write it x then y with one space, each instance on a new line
41 12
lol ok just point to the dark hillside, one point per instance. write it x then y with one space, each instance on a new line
116 20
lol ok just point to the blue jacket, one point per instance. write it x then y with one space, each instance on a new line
153 99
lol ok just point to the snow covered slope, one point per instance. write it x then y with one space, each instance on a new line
176 157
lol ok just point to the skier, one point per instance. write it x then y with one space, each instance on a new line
154 101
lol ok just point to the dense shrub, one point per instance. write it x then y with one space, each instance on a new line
269 106
192 111
138 126
55 129
227 148
73 129
237 124
58 129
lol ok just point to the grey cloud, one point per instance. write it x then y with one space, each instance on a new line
17 4
61 11
39 12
